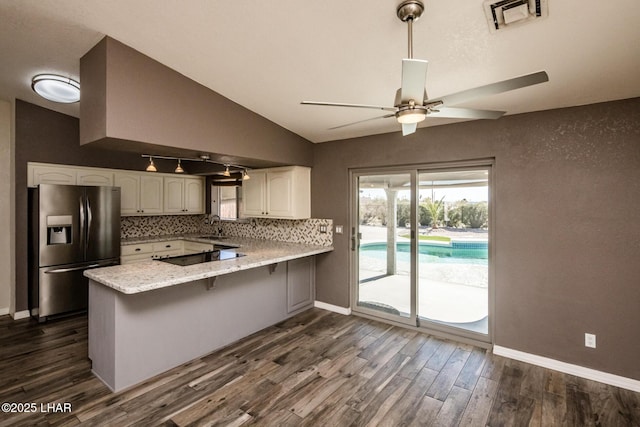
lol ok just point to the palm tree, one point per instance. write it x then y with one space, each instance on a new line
434 209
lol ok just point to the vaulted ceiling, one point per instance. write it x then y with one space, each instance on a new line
269 56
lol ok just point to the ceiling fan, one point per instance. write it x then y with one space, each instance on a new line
411 102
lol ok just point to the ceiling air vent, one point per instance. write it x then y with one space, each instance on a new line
502 14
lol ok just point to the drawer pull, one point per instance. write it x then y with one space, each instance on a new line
138 249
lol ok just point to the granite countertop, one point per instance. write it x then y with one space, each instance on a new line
150 275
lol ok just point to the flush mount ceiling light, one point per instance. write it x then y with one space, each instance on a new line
56 88
152 166
179 168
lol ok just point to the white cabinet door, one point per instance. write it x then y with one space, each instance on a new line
129 184
91 177
151 192
183 195
194 195
254 194
53 175
279 194
139 194
174 195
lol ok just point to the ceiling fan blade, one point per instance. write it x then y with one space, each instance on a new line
339 104
386 116
494 88
465 113
409 128
414 76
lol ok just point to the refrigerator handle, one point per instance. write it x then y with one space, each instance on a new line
89 219
82 223
66 270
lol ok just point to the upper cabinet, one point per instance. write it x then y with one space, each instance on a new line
92 177
278 193
43 173
183 195
142 193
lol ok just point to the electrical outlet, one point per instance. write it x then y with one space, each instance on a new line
590 340
323 228
338 229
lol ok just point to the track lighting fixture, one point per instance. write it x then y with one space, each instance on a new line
152 166
242 170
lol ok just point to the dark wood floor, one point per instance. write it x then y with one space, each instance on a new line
318 368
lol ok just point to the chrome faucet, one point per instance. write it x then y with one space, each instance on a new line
213 218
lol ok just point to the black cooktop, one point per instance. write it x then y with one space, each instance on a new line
217 255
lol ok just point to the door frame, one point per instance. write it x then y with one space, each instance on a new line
434 328
354 174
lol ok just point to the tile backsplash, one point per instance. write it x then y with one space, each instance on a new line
305 231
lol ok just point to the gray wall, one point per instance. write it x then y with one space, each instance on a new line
43 135
567 235
6 272
129 99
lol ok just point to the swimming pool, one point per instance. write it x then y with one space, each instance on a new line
475 253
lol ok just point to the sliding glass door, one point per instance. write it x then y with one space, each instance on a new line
382 237
420 241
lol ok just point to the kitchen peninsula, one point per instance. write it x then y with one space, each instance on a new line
148 317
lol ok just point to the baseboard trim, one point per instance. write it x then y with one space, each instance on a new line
568 368
4 311
330 307
21 314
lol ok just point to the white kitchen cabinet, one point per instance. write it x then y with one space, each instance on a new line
140 194
51 174
254 194
278 193
45 173
194 195
183 195
130 254
171 248
300 284
94 177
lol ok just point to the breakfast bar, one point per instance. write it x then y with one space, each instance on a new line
148 317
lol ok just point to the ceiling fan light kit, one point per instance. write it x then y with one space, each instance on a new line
412 105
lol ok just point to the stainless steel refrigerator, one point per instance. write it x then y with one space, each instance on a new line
72 229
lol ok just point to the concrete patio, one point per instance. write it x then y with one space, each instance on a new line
455 294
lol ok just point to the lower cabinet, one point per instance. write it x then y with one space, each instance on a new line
130 254
133 337
300 284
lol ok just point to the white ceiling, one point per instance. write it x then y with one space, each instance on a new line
270 55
